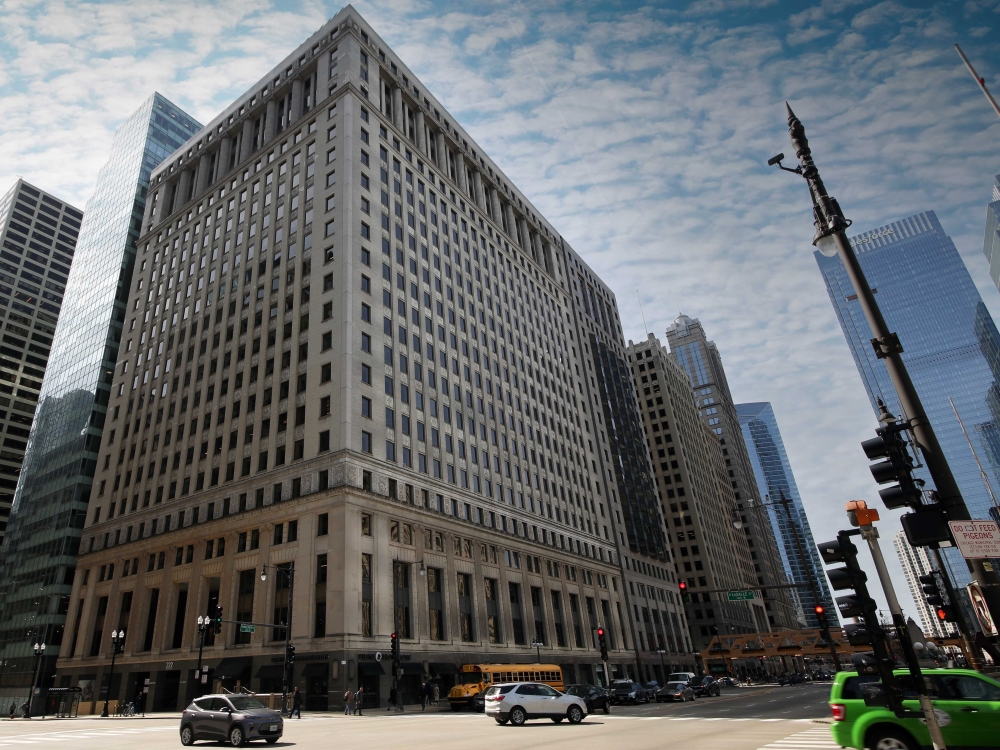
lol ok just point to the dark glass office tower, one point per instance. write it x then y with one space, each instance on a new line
950 343
38 559
775 480
991 242
37 241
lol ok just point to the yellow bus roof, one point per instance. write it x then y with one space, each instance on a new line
510 668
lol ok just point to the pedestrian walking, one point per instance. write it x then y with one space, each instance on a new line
13 709
423 695
140 704
296 704
348 700
437 694
359 698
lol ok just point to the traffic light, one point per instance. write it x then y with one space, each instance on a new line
602 642
851 576
394 647
217 619
932 593
290 654
857 635
682 585
820 611
898 467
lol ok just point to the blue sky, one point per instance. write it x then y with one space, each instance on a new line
640 131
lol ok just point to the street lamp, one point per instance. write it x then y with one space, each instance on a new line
204 621
290 572
117 644
39 653
537 645
663 669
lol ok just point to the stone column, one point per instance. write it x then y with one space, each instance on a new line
204 178
419 133
397 107
323 77
522 235
463 177
183 187
536 248
271 120
511 221
225 153
246 142
477 189
495 206
298 88
442 152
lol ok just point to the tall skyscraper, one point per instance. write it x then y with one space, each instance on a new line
916 563
697 499
799 556
37 240
991 242
950 345
700 359
444 473
38 559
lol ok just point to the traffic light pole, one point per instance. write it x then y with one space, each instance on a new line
870 534
831 226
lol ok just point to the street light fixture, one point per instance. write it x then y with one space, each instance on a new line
39 649
537 645
117 644
204 622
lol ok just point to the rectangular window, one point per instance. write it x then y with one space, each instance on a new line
465 611
516 613
244 602
435 603
493 629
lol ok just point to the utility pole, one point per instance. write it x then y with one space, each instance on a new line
831 239
864 519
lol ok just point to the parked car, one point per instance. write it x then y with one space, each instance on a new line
706 686
675 691
966 702
681 677
517 702
626 691
793 678
595 697
651 688
729 682
233 719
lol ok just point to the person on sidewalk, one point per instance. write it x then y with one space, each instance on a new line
296 704
423 696
359 698
13 709
437 694
348 699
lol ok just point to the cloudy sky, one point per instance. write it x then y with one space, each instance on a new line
640 131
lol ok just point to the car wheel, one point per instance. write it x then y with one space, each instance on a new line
607 708
517 716
891 739
575 715
500 721
187 735
236 736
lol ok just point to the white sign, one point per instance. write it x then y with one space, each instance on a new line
976 539
980 608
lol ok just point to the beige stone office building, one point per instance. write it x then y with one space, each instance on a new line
351 350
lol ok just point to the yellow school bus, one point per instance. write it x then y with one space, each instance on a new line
473 679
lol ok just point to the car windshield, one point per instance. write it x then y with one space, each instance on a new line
576 690
470 678
245 702
624 686
676 685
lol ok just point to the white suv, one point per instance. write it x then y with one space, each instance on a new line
517 702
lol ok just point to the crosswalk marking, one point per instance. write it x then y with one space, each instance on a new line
810 739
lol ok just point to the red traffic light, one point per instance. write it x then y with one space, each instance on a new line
941 614
600 632
819 609
682 585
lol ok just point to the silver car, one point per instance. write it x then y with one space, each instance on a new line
233 719
675 691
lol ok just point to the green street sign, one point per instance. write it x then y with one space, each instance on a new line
249 627
740 596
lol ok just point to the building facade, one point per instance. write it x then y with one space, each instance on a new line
700 359
38 559
789 524
915 563
37 240
697 499
950 345
350 362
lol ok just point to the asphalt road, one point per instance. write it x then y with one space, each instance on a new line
748 719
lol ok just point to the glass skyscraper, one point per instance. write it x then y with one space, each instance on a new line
38 559
775 480
950 345
991 242
37 240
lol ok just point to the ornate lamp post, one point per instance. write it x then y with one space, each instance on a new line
204 621
117 647
39 653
